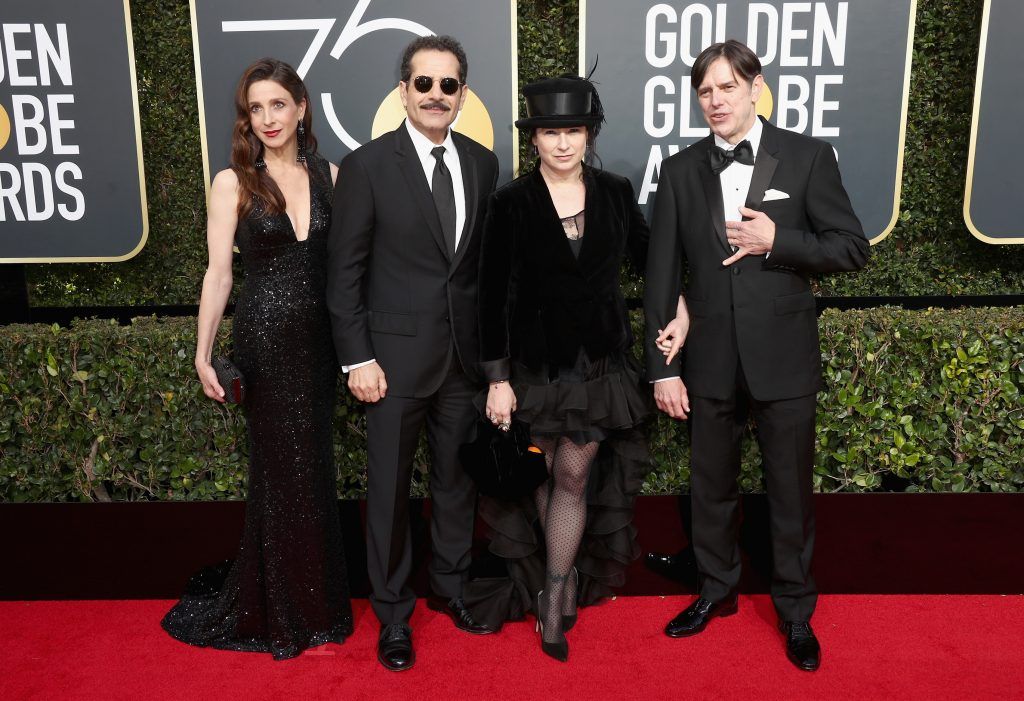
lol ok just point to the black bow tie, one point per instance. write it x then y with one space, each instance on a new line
722 159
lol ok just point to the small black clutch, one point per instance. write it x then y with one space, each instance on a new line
230 378
503 463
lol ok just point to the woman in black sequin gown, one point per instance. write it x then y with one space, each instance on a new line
287 590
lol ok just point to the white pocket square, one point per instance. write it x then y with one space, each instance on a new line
771 194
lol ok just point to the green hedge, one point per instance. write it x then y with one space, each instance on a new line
915 401
929 252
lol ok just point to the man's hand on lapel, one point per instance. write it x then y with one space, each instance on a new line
753 237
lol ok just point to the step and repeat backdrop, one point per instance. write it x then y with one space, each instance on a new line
995 178
839 71
71 176
348 54
71 169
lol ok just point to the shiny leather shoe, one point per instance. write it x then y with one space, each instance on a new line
696 616
678 566
802 647
394 647
456 610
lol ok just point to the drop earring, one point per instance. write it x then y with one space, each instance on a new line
300 157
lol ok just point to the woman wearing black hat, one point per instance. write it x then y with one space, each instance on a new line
556 340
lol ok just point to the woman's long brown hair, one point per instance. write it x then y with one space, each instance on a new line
254 184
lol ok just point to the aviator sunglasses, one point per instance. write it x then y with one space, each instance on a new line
449 86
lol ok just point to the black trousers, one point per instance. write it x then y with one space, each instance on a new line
785 434
393 428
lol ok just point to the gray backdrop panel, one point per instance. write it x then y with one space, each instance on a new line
113 224
365 72
997 185
870 97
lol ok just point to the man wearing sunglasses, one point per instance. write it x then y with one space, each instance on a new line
401 289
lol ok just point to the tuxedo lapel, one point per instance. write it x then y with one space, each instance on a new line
412 171
765 164
713 193
471 189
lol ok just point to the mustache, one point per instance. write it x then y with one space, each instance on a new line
432 105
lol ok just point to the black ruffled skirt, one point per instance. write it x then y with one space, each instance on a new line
591 401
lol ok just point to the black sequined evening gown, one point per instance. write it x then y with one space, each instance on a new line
287 590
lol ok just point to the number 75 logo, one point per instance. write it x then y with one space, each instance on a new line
474 121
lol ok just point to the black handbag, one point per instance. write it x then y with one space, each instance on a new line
230 379
504 464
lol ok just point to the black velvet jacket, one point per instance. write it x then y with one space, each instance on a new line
539 303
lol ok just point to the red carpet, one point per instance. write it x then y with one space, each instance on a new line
875 647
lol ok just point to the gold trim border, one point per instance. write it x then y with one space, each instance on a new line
515 86
901 145
202 103
583 37
200 100
904 109
143 203
969 187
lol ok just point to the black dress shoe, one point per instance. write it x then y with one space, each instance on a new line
394 647
697 615
559 649
680 566
802 647
456 610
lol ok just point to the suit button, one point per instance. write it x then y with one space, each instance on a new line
446 317
735 271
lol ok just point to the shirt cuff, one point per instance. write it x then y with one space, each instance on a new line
345 368
663 379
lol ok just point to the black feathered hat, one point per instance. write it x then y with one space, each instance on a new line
566 101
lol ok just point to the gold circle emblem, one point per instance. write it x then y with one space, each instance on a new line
765 103
474 121
5 127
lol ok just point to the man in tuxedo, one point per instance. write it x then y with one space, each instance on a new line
401 288
751 211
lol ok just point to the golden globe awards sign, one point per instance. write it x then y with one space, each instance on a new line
994 180
348 53
71 178
839 71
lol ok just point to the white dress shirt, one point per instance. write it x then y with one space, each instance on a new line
423 147
735 181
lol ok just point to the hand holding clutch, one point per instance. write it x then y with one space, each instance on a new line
230 379
504 463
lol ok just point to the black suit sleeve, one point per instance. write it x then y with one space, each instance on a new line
836 241
495 282
664 275
349 244
638 238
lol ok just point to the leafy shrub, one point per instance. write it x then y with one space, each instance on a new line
914 401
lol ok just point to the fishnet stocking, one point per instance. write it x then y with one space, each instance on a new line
562 507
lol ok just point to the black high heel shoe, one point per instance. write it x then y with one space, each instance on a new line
569 620
558 650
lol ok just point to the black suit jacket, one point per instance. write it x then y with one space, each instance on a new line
392 290
760 311
539 303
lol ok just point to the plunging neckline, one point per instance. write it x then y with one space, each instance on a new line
291 224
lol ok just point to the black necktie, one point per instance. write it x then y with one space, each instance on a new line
722 159
444 197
